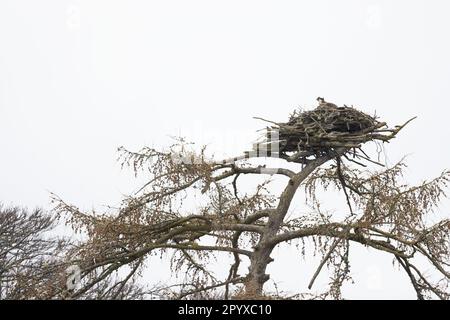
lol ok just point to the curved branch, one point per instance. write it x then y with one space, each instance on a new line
214 286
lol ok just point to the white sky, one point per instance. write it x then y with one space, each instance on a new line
80 78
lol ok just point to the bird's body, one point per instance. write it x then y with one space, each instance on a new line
325 105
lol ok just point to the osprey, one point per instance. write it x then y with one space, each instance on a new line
323 104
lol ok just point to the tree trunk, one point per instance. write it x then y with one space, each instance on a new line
260 258
257 271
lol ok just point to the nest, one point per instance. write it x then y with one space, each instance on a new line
323 130
325 127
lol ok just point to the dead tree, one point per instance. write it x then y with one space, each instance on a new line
327 143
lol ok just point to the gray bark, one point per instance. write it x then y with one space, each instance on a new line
260 257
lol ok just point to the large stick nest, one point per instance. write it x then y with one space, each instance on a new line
326 129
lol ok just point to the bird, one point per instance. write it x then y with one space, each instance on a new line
323 104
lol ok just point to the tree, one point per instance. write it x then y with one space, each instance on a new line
34 262
326 147
29 261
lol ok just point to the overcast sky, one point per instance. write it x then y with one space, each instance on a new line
80 78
